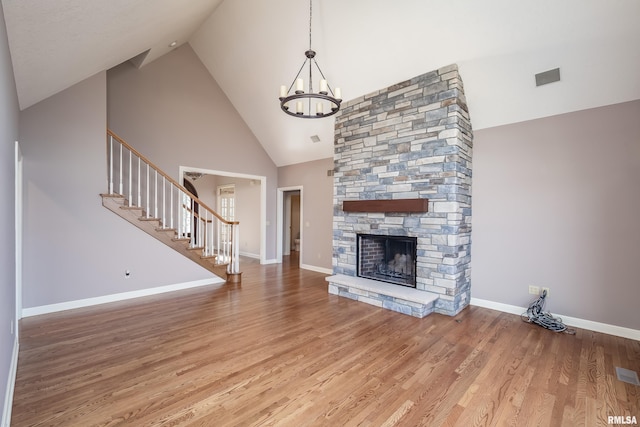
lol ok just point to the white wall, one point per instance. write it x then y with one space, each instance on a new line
8 136
556 203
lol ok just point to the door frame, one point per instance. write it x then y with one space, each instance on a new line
263 199
281 218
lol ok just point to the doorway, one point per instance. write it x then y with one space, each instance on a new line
191 222
290 230
249 208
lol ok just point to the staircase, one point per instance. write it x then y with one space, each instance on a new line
151 200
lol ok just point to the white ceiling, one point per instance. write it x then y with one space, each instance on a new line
251 47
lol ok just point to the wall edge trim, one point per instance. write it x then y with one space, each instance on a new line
88 302
619 331
11 383
316 269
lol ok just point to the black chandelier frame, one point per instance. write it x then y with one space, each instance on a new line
310 96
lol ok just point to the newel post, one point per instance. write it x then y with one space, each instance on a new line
233 268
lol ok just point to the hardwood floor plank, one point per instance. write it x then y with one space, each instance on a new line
278 350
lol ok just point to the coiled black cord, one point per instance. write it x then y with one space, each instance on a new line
535 315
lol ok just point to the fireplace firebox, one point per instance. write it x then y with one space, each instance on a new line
389 259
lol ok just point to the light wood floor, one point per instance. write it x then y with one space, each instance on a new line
279 350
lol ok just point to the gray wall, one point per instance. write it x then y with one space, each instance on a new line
8 136
174 113
317 209
73 247
556 203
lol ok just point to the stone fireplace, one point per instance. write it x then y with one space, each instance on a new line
408 144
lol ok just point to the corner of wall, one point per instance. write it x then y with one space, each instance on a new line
11 381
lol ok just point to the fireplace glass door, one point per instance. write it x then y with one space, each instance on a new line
387 258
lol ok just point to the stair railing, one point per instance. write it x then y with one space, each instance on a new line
161 198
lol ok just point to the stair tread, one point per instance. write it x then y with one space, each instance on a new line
145 218
166 229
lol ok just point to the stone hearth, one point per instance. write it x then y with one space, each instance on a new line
412 140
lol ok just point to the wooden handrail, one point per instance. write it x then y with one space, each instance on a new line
196 214
167 177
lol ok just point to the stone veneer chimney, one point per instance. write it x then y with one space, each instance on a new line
410 140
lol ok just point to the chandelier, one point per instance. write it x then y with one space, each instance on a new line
310 104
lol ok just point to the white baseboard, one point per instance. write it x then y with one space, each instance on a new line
250 255
618 331
269 261
317 269
11 382
53 308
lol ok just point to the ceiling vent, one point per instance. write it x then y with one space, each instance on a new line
315 138
547 77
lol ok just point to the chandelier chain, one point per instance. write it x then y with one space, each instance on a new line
310 20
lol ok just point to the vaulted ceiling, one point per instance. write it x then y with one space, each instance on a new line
251 47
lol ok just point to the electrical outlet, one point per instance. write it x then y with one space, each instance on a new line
534 290
546 289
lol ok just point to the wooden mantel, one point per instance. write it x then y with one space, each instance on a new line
399 205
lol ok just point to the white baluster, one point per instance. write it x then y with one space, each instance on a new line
210 234
110 164
179 227
171 206
148 201
235 250
218 239
226 243
130 179
201 231
139 192
230 248
155 194
181 221
203 216
120 167
164 205
193 223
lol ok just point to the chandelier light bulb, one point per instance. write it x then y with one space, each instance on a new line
323 87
